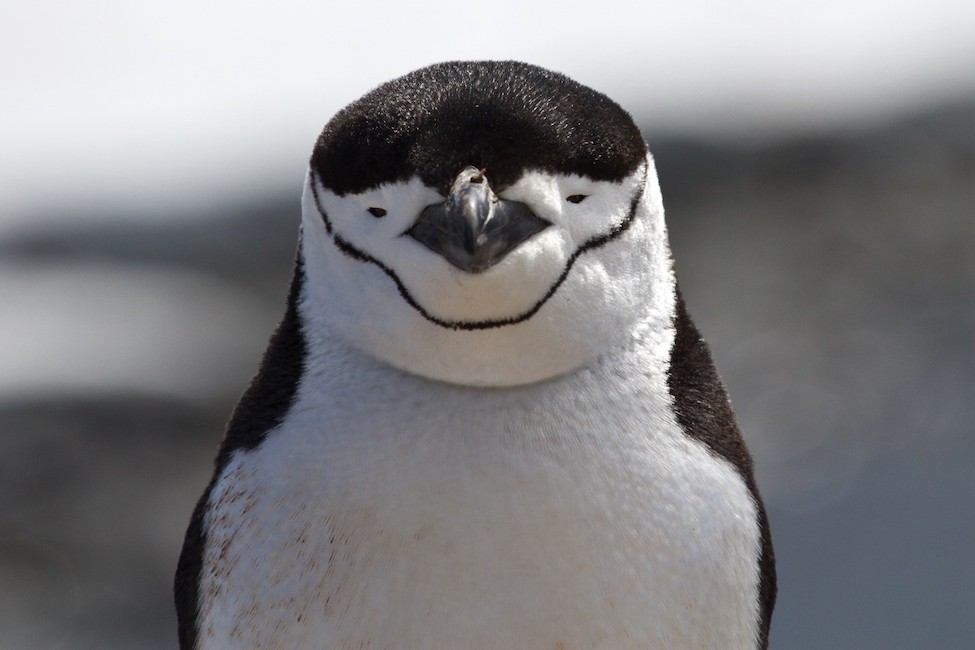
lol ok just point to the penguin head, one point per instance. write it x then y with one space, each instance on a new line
482 223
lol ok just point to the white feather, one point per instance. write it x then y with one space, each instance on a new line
392 512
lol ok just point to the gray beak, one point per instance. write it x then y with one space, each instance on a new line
474 229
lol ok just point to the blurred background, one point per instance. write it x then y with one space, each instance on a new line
818 166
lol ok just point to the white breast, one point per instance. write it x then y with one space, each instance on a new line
392 512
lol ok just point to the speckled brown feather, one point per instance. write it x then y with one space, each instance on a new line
261 408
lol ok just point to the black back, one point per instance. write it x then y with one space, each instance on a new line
262 407
502 116
704 413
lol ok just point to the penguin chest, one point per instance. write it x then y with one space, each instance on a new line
627 540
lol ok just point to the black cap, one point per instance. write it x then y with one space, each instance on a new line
502 116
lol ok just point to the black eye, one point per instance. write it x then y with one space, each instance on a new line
576 198
377 212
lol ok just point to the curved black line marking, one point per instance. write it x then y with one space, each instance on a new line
597 241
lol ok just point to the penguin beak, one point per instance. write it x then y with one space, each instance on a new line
474 229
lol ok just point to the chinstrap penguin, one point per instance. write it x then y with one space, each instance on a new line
486 419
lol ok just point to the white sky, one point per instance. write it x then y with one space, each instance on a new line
112 103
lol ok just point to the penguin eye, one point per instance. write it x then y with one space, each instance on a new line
377 212
576 198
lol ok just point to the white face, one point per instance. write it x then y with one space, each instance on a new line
550 306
